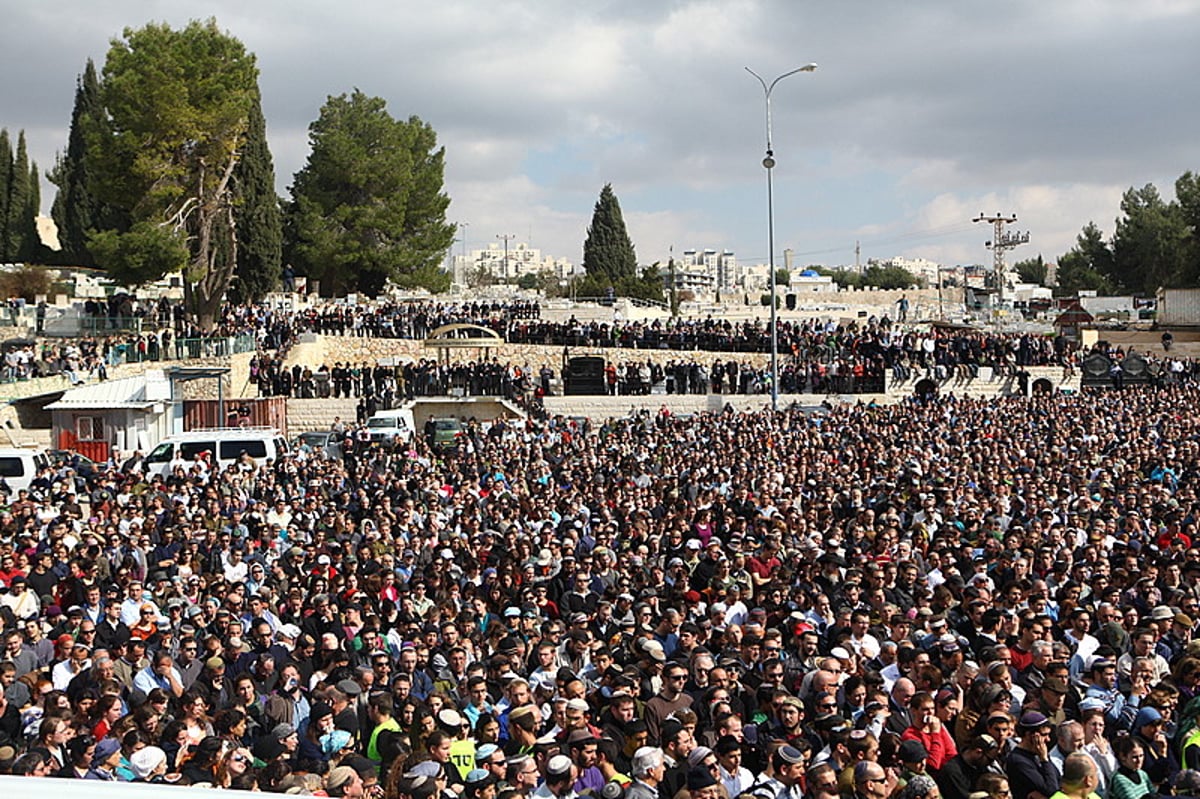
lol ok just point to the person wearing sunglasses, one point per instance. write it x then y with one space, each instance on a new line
871 781
233 769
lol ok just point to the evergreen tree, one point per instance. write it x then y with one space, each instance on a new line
18 231
1087 265
31 243
1032 270
1187 194
6 168
18 202
259 221
369 204
1150 243
76 209
178 104
608 253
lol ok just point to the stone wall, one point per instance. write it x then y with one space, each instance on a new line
235 383
329 350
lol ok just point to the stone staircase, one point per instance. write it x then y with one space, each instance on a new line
318 414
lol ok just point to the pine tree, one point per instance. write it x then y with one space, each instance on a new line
607 252
6 167
179 103
259 219
76 209
368 206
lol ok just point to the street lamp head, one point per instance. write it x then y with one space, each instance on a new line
769 162
808 68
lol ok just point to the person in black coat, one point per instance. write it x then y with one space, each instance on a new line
1030 772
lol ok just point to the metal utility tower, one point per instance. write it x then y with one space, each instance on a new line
506 238
1001 242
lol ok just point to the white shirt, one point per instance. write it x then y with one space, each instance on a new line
62 674
131 610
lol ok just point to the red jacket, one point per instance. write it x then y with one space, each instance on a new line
939 745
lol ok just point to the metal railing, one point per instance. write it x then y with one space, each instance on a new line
63 325
637 302
151 348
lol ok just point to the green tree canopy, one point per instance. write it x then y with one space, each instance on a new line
258 214
76 209
369 205
19 202
177 109
881 277
608 253
1156 245
1087 265
1149 247
144 252
609 259
1031 270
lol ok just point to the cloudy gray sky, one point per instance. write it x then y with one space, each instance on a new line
921 115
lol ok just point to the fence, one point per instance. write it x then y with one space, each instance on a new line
151 348
66 325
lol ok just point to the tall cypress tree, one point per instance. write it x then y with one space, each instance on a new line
259 220
76 209
30 248
16 225
19 192
6 168
608 252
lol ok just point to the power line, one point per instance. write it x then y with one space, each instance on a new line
899 238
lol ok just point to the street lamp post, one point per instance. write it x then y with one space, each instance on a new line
769 163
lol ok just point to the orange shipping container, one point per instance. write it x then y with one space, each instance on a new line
259 412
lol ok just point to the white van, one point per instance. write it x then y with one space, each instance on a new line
389 428
19 465
225 445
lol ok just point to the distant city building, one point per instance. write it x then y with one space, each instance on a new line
699 282
521 260
922 268
721 267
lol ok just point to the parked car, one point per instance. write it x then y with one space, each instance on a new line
322 443
82 464
220 446
19 465
392 427
444 434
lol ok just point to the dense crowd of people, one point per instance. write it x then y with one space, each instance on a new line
816 355
412 320
952 598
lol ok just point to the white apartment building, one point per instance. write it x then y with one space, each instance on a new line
520 260
720 267
921 268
